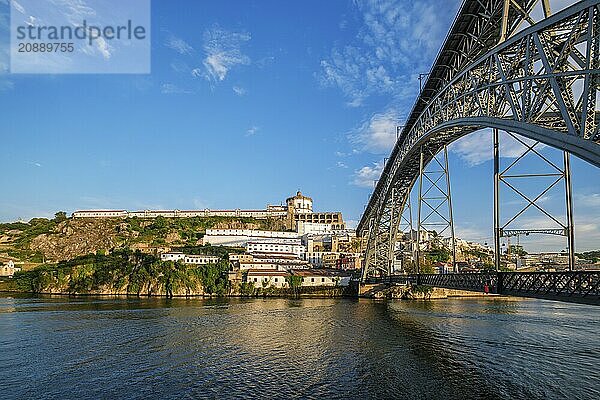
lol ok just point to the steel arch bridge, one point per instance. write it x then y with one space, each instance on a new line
541 82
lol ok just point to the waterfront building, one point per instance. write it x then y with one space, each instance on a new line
261 278
323 277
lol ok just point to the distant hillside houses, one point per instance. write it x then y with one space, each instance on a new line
189 258
8 269
298 210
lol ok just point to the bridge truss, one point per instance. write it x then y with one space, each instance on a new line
541 82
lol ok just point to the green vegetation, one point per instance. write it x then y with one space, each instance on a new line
60 238
25 233
295 283
124 271
593 256
437 254
423 291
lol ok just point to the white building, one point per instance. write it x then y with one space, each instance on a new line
196 259
100 214
300 204
270 212
172 256
310 278
200 259
322 277
280 246
9 269
267 278
240 237
267 261
304 228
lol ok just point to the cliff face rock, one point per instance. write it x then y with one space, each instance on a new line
60 240
74 238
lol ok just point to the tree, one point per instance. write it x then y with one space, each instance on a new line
294 282
60 217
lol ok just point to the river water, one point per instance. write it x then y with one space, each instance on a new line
95 348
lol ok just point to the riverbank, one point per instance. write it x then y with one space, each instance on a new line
304 292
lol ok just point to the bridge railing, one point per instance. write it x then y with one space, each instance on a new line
574 286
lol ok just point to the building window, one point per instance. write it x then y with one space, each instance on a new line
322 279
276 279
255 279
312 279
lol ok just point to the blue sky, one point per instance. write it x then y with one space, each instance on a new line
247 102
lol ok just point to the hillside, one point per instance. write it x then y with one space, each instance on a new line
52 240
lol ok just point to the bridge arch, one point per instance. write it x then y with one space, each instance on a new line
542 83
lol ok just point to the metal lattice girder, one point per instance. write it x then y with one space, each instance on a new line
381 237
435 201
541 82
573 285
472 282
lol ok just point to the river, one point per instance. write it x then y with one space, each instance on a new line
107 348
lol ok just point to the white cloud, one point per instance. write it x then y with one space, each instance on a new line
179 45
477 148
351 223
170 88
365 176
588 200
223 52
341 165
252 131
104 48
395 41
378 134
18 7
240 91
180 67
474 233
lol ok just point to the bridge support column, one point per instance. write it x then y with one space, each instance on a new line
496 199
570 222
435 217
559 226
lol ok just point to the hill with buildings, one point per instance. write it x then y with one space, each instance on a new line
175 252
52 240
